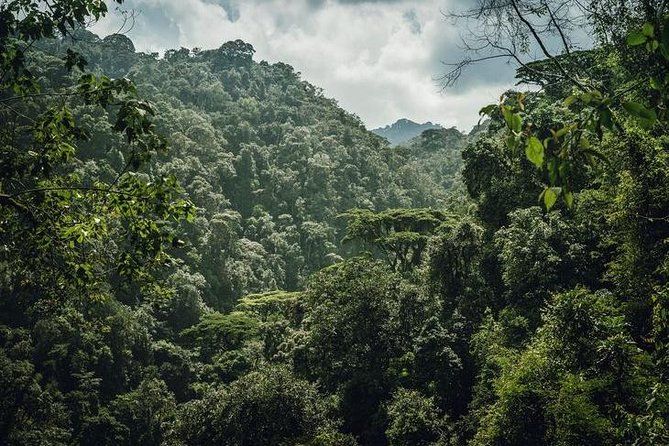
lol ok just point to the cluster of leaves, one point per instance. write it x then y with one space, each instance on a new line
595 110
61 227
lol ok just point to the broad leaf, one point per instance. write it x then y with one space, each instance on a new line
648 30
535 151
550 196
569 199
645 116
513 120
636 38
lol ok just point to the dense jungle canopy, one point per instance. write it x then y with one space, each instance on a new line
200 248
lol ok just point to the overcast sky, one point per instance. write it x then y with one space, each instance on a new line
380 59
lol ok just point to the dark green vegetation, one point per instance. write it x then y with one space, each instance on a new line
438 153
309 285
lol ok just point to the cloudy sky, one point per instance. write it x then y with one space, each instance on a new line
379 58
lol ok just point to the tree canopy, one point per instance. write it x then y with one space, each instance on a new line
201 248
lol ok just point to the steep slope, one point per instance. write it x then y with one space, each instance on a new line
403 130
268 160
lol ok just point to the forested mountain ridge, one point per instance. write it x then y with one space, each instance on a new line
528 305
402 130
264 156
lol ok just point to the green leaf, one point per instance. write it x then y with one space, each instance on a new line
517 123
645 116
552 167
550 196
636 38
652 45
648 30
655 83
569 199
664 50
513 120
535 151
606 119
570 100
563 131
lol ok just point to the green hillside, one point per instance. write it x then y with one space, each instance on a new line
203 249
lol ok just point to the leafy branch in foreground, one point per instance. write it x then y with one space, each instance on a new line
595 111
59 227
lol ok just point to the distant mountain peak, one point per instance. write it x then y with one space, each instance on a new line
403 130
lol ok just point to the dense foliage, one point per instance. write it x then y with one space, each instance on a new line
203 249
267 160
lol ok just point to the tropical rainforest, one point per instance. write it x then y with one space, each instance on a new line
198 248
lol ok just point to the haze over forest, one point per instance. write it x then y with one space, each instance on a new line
203 241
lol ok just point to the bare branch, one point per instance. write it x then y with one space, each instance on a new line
559 29
510 28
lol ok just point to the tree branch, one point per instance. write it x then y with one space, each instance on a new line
543 47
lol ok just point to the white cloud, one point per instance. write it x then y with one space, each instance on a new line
378 59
